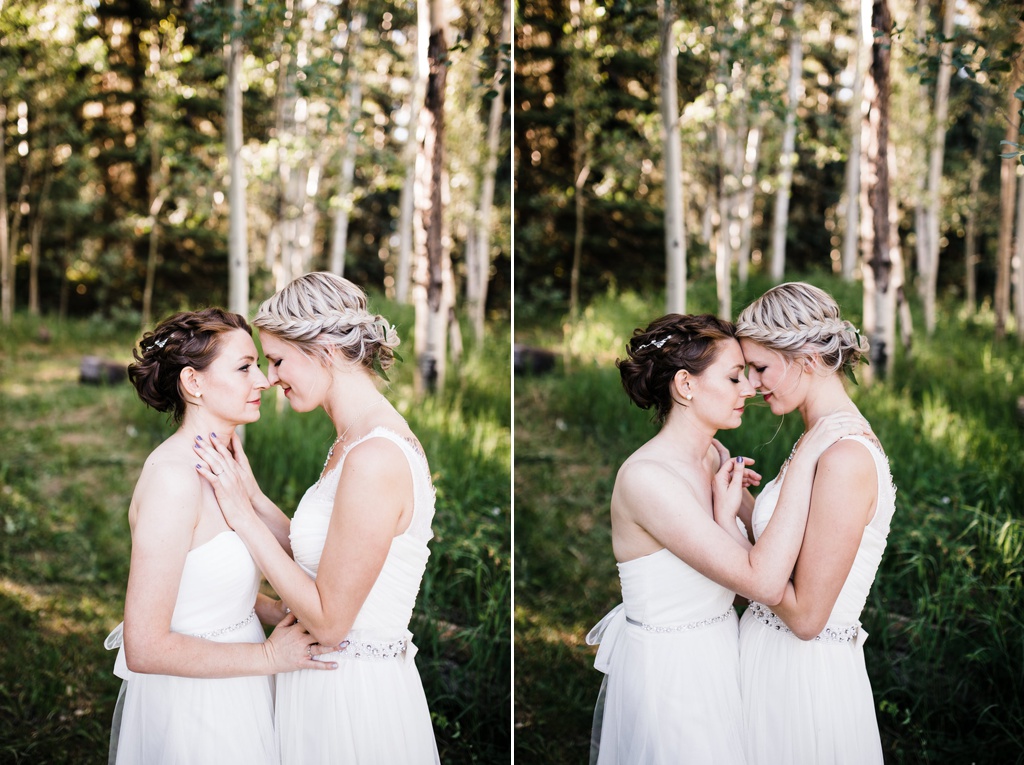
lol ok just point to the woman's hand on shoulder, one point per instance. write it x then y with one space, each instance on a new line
827 431
290 647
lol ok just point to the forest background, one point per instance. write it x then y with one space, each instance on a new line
162 156
686 156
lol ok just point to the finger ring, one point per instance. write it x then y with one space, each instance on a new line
309 651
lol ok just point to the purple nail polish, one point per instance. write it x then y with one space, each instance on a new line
199 438
199 467
739 460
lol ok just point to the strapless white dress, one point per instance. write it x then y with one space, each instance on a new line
167 720
810 701
670 655
372 709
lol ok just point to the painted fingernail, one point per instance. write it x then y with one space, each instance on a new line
213 435
342 644
199 438
334 665
199 467
739 460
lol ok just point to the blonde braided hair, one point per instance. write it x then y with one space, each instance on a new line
321 310
799 320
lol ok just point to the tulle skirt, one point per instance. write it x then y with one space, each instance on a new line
671 698
369 711
166 720
805 701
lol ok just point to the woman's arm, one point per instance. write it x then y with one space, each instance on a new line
373 504
167 500
269 610
842 503
664 506
670 510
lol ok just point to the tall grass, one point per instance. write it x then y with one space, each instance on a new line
946 654
69 457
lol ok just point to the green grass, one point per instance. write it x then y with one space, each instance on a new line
946 654
69 458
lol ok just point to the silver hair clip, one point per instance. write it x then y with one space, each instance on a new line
656 343
160 343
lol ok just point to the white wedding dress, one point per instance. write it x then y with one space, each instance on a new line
372 709
810 701
167 720
670 655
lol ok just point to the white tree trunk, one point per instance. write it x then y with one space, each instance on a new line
851 234
479 268
6 266
1016 265
933 205
675 228
407 231
971 222
238 255
780 220
879 303
343 207
751 160
1007 197
432 309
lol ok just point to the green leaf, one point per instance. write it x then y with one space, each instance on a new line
848 370
379 369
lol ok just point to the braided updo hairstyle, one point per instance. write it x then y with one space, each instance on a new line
322 310
668 344
798 320
189 339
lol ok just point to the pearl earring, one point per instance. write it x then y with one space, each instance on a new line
688 397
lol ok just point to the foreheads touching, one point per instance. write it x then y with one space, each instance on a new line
799 321
320 313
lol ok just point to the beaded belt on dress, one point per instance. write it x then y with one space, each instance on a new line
682 627
374 649
226 630
840 635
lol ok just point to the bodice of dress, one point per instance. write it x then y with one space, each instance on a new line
661 590
855 590
388 608
216 597
218 587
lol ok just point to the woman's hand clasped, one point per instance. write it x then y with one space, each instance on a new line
732 478
291 647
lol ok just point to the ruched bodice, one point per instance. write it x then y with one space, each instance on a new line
218 586
851 600
660 589
390 602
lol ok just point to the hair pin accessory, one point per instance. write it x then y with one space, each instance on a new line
656 343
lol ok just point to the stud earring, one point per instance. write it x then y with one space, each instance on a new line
688 397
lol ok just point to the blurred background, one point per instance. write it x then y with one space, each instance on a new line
680 156
164 156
